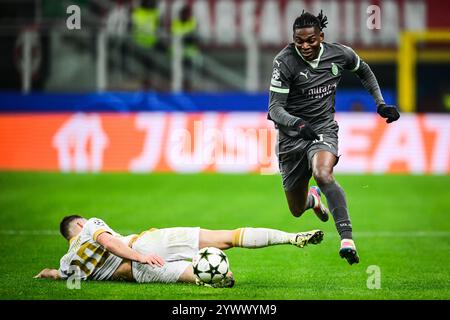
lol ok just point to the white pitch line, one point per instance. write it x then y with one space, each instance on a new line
398 234
42 232
357 234
29 232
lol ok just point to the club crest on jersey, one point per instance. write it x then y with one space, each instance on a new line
334 69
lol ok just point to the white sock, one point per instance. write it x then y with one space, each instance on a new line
260 237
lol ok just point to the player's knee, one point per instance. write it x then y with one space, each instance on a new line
296 211
323 176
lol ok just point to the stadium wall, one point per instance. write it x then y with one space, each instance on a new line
188 142
346 100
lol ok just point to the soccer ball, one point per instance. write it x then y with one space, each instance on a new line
210 265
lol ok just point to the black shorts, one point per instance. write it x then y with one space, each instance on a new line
294 159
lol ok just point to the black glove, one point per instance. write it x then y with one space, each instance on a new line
389 112
305 131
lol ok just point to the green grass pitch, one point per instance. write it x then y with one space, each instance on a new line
401 224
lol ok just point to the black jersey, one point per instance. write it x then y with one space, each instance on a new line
307 89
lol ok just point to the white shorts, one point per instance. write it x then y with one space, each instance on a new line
174 245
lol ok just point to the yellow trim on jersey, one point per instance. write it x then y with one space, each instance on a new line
132 241
279 90
99 232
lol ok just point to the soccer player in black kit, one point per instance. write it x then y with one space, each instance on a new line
305 76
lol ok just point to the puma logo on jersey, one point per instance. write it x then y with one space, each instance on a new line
305 74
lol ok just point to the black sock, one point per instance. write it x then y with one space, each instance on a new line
338 207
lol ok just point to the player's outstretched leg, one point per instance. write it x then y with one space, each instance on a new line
253 238
322 167
250 238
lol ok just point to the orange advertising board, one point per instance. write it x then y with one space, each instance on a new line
211 142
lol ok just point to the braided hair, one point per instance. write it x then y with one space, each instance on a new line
307 19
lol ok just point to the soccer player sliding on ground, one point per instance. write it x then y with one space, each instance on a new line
97 252
305 77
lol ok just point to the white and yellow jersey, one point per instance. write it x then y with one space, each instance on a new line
87 256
